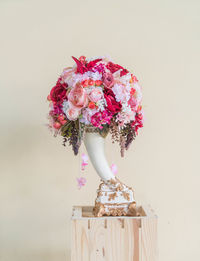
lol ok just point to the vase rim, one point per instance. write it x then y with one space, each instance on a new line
90 128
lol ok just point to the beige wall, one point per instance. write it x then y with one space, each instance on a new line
159 41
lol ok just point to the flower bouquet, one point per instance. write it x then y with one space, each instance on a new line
89 100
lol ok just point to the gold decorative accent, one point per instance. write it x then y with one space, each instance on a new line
132 210
126 195
99 194
91 129
111 188
112 196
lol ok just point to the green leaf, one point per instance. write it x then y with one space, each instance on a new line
104 132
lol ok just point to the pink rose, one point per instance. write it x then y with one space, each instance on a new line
72 113
95 95
108 80
78 97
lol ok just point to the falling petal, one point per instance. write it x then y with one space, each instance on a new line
83 165
114 169
84 162
81 182
84 157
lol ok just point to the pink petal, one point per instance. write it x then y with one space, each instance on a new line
81 182
114 169
84 157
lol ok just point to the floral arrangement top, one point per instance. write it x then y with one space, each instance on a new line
96 93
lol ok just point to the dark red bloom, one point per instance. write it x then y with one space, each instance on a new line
82 66
115 67
99 68
58 92
112 105
91 64
57 109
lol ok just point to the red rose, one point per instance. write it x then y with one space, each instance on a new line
58 92
112 105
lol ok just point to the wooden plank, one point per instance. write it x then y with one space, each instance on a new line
80 212
97 240
113 238
81 245
77 212
149 239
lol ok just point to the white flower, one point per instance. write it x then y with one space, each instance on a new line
94 75
126 78
122 93
125 117
65 107
138 92
101 104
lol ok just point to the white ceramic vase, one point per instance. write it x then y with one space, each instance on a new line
113 197
95 144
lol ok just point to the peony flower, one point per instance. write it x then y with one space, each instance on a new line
72 113
58 92
112 105
95 95
78 97
108 80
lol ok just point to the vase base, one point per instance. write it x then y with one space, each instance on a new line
114 199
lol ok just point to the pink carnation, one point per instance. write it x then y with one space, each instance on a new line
100 118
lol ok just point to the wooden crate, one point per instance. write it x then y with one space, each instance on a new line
113 238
